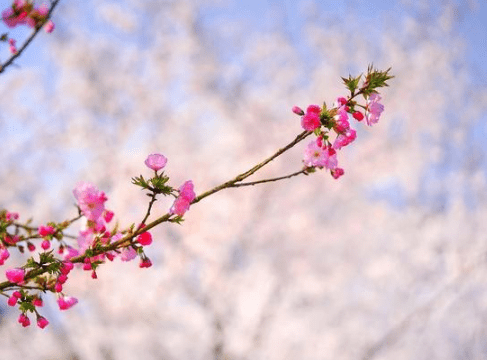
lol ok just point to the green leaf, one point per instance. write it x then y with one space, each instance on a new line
375 79
140 181
352 83
26 306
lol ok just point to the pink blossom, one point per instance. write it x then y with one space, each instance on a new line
315 109
11 216
46 244
108 216
298 111
186 191
319 141
42 322
145 238
358 116
24 320
314 155
37 302
12 301
62 278
17 294
12 240
127 254
179 207
374 109
85 240
15 275
341 123
311 120
46 230
72 252
58 287
12 19
156 162
341 101
49 27
31 246
37 16
66 302
317 156
145 263
87 264
90 200
345 139
66 267
183 201
4 255
336 173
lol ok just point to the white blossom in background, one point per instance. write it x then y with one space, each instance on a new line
382 263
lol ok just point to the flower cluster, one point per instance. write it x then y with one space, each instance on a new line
321 152
25 12
95 243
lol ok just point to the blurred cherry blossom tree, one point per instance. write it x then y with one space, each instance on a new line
384 263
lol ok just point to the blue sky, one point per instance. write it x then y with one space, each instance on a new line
263 15
473 24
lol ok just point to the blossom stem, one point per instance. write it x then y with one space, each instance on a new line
303 171
243 176
152 201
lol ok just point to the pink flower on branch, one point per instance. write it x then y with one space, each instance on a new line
128 254
145 263
11 216
66 302
24 320
156 162
336 173
344 139
15 276
183 201
12 301
311 120
108 216
179 207
297 110
24 12
37 302
374 109
315 155
4 255
91 201
42 322
49 27
186 191
145 238
46 230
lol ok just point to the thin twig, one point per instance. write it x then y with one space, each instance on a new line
303 171
253 170
29 39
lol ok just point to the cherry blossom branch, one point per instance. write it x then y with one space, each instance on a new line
253 170
37 28
96 244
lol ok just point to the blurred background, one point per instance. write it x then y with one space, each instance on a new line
387 262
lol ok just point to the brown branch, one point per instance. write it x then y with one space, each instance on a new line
243 176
